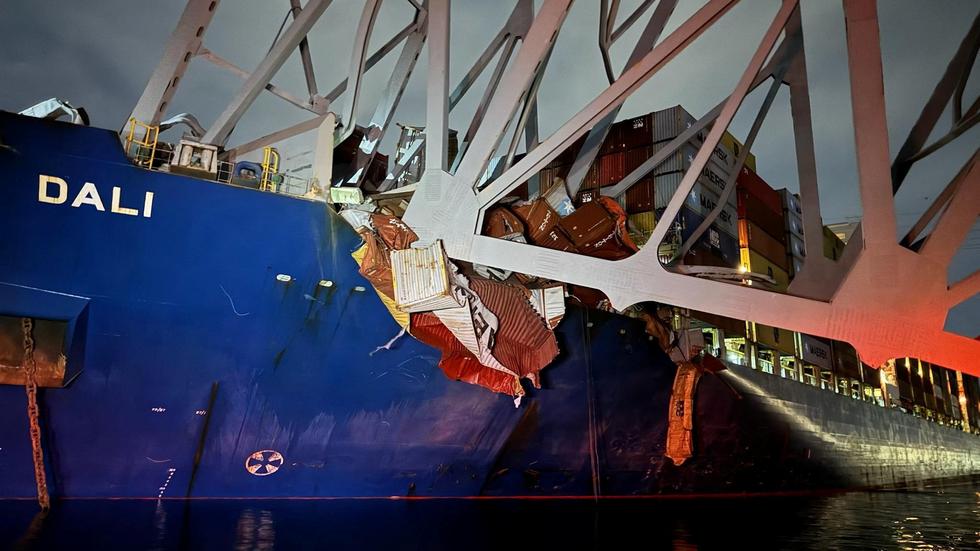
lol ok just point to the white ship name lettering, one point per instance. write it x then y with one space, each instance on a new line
54 191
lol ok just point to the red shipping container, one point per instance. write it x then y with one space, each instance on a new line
757 187
607 170
752 208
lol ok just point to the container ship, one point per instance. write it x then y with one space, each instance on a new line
189 325
200 338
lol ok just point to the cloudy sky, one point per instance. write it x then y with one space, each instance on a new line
99 55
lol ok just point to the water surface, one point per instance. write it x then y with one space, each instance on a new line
934 517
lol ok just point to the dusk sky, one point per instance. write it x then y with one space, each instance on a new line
99 55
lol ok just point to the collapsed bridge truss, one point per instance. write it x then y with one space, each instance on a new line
863 298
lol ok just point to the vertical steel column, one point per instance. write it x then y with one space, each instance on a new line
870 124
437 99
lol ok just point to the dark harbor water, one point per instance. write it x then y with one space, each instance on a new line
934 517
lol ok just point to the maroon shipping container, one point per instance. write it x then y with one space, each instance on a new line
640 197
758 188
613 141
752 208
636 132
636 157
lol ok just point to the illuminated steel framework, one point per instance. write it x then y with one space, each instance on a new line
862 298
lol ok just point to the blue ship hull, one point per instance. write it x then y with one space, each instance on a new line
188 353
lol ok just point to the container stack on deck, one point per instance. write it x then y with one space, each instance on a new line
762 241
759 231
933 392
793 213
633 141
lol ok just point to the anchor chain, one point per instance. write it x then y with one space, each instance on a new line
30 369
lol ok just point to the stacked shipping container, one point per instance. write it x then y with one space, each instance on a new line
760 229
934 392
793 214
629 144
762 250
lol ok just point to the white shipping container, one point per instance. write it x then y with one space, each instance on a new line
684 157
421 279
549 303
672 122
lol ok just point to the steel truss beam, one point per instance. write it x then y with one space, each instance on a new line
183 44
649 37
861 309
267 68
863 298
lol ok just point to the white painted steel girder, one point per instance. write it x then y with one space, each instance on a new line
888 299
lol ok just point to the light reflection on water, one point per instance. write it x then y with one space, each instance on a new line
933 518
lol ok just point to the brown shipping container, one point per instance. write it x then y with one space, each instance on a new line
758 188
593 231
539 218
751 236
636 157
613 141
751 208
607 170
